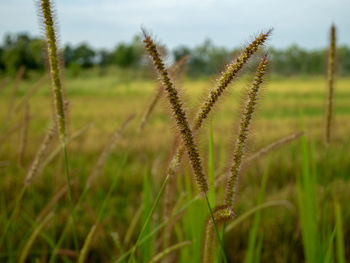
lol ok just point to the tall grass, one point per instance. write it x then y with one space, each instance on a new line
194 230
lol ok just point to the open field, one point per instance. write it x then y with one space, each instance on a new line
137 165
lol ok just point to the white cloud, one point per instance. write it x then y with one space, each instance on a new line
228 22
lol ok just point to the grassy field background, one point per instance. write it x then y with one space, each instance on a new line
137 165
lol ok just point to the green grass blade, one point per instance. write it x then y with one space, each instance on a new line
157 228
253 234
339 234
329 254
66 169
146 247
211 167
30 241
253 210
216 230
169 250
148 218
86 246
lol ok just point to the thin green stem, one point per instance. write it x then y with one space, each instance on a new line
156 229
155 204
9 221
216 229
66 168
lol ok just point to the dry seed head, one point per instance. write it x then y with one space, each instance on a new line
173 71
179 115
331 71
221 215
54 67
226 78
39 157
222 83
243 132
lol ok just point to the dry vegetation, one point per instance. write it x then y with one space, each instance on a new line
138 171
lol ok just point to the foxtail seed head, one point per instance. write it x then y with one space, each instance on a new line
54 68
222 83
226 77
243 132
179 115
221 215
331 71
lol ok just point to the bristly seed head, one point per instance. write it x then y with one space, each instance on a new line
179 115
243 132
221 215
330 96
54 68
226 78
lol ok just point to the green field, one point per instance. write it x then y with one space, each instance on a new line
304 178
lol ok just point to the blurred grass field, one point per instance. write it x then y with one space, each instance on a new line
101 103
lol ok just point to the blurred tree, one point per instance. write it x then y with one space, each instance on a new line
21 50
205 59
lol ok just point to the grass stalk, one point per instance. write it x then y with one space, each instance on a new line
148 218
179 115
243 133
66 168
216 230
33 236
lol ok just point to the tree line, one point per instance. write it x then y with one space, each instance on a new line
23 50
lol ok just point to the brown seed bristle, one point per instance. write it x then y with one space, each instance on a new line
226 77
243 132
221 215
179 115
173 71
330 97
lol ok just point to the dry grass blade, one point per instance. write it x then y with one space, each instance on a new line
330 97
39 157
31 92
250 212
33 236
261 153
221 214
97 169
3 83
18 80
24 135
179 115
271 147
57 196
11 131
57 150
241 140
132 225
169 250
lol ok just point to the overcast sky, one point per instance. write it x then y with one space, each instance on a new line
229 23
